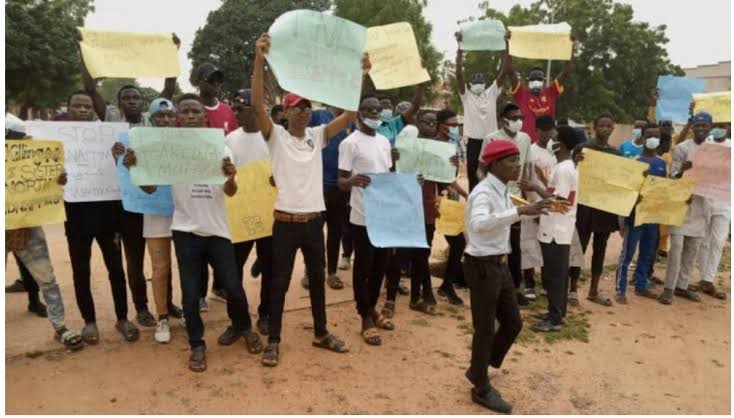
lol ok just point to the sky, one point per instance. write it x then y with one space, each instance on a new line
698 35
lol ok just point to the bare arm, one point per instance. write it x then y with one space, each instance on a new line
460 190
503 70
258 98
346 180
169 85
509 68
567 68
90 84
338 124
409 114
460 66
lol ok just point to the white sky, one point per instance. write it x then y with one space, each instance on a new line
699 32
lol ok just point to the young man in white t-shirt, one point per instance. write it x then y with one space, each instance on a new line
480 111
556 229
366 152
297 171
247 145
201 235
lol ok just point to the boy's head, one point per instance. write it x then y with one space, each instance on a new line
701 122
502 159
545 126
604 126
208 79
80 106
297 111
369 111
130 101
387 107
511 117
565 142
447 125
477 83
242 105
427 122
536 80
162 112
190 111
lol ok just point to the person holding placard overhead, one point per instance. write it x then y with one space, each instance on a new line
102 222
201 235
480 110
685 240
297 171
489 216
536 99
247 145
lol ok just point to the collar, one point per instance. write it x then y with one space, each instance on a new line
215 107
496 184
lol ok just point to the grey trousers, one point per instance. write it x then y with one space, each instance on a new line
682 255
709 254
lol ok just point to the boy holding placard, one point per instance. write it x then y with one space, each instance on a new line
297 171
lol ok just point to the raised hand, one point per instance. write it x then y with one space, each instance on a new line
262 45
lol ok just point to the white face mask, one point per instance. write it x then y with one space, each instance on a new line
652 143
553 146
535 85
477 88
514 125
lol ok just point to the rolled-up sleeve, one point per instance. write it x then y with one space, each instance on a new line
485 218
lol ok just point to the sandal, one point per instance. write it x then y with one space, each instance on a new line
128 330
621 299
382 323
573 299
711 290
334 282
270 355
601 299
254 345
90 334
423 307
388 311
331 343
71 340
371 336
687 294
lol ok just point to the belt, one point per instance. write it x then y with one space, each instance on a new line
499 259
295 217
476 139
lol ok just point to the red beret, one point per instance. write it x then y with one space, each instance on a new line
292 100
498 149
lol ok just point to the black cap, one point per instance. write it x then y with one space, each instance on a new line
242 97
207 71
509 106
545 122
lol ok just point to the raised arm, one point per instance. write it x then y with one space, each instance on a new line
567 67
338 124
461 85
409 114
258 97
509 68
500 79
169 85
90 84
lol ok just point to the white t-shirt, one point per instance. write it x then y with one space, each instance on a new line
297 169
363 154
199 208
560 226
246 147
544 160
480 111
157 226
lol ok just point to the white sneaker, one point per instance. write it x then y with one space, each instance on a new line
163 331
344 263
530 294
203 306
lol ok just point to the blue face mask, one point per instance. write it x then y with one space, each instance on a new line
454 133
372 123
386 114
718 133
636 133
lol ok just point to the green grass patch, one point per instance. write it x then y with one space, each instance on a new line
576 328
421 322
33 354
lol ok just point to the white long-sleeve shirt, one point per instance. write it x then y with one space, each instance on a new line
489 215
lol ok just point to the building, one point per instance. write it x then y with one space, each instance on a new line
716 76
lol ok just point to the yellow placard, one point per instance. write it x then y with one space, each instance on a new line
129 55
250 210
33 196
718 104
664 201
609 182
451 221
394 55
518 201
551 42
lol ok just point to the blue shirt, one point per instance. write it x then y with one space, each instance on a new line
330 153
392 128
629 149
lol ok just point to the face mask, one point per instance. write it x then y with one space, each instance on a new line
386 114
652 143
636 133
514 125
553 146
372 123
477 88
535 85
718 133
454 133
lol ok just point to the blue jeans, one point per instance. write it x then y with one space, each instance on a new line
646 235
193 252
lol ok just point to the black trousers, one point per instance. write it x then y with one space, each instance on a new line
555 277
473 150
30 285
492 294
289 237
420 274
454 272
395 257
514 260
347 241
336 211
599 249
134 244
264 251
370 264
80 252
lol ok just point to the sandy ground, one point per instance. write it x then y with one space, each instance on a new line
643 358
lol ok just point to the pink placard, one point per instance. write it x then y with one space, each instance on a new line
712 170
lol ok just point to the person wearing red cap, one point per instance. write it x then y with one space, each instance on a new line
489 215
298 172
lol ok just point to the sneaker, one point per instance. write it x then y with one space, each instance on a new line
543 293
38 308
218 295
403 290
197 359
175 312
162 332
530 295
263 325
666 298
522 300
230 336
646 294
621 299
449 293
255 269
491 399
145 319
304 282
16 287
334 282
203 306
546 326
344 263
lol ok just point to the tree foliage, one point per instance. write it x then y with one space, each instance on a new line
616 61
382 12
109 88
41 58
228 38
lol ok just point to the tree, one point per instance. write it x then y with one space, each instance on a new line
228 38
41 61
616 61
109 88
375 13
